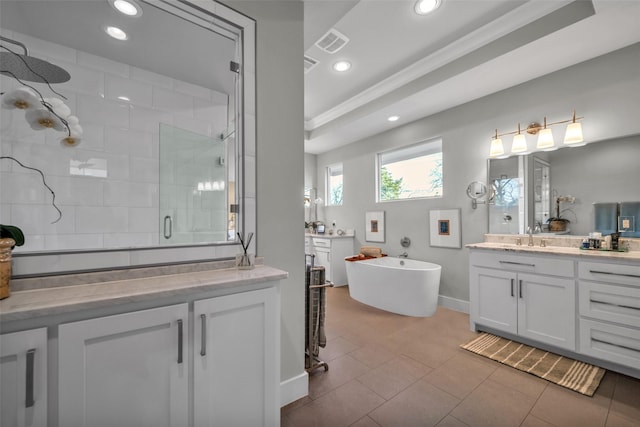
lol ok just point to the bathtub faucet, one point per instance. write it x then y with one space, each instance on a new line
403 255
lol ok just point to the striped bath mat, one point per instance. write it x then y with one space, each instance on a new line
577 376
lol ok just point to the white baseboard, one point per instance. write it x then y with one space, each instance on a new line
294 388
454 303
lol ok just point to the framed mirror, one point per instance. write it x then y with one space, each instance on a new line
158 175
528 187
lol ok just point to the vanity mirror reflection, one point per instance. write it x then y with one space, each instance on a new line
162 151
524 189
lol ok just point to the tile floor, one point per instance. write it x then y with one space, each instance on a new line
392 370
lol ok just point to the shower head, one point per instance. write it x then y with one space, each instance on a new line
29 68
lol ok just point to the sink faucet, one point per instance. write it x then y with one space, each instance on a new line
530 232
403 255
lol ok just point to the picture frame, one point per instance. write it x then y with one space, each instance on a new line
444 228
374 226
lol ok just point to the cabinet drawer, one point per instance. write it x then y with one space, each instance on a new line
609 302
529 264
623 274
613 343
322 243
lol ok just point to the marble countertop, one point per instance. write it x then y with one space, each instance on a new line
555 250
25 304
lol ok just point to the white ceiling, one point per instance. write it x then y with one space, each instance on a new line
415 66
159 41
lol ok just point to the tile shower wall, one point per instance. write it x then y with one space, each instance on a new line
108 186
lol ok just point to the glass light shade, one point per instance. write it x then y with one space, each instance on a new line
573 136
519 145
545 140
496 149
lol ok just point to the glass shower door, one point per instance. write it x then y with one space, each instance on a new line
194 190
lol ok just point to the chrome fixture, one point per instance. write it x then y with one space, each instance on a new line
403 255
28 68
530 232
405 242
476 190
573 138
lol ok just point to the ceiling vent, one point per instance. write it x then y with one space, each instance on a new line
332 42
309 63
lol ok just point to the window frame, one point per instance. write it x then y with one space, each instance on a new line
328 188
422 148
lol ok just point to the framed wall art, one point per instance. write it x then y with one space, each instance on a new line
444 228
374 226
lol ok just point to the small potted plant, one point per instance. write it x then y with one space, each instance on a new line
558 223
10 237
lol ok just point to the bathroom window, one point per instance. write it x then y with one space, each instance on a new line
410 172
334 185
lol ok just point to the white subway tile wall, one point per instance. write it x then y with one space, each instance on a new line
108 186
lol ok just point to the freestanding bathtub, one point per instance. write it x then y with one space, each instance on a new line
403 286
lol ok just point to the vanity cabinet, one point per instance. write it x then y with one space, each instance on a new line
533 297
235 360
330 253
609 311
23 378
140 368
127 369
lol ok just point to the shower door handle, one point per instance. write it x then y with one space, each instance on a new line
512 281
168 230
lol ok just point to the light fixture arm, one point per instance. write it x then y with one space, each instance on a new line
535 127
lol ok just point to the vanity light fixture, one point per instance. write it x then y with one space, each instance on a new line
127 7
116 33
342 66
497 149
573 138
423 7
519 145
545 139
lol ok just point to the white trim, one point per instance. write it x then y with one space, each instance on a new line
294 388
454 303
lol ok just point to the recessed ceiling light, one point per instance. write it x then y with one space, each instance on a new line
116 33
342 66
393 118
423 7
126 7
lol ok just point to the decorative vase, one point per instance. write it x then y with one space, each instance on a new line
5 266
245 261
557 225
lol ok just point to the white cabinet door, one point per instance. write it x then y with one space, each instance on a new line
323 258
547 310
23 378
236 368
493 299
125 370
